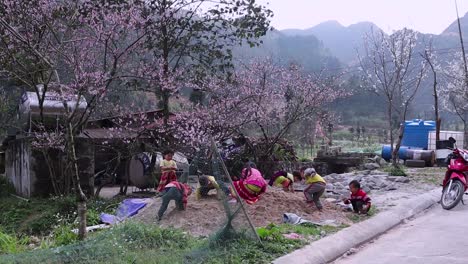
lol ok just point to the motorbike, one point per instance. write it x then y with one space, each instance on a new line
455 180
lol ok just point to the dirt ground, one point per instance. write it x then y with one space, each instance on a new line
207 215
204 217
421 180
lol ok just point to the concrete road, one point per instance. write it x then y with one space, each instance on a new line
437 236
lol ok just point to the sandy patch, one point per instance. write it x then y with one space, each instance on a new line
207 215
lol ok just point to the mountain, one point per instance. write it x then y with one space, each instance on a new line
306 50
340 40
453 28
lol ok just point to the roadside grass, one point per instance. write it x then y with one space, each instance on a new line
356 218
134 242
396 171
433 175
44 223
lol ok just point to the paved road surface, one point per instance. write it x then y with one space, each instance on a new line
438 236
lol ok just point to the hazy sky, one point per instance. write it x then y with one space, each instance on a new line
427 16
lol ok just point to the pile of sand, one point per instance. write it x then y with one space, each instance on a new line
203 217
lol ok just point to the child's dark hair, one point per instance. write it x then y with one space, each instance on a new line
248 169
203 181
168 151
355 184
297 174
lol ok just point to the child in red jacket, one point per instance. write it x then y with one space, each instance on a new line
359 199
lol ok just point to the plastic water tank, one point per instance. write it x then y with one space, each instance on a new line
387 153
416 133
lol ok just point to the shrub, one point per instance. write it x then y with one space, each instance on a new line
6 187
11 244
396 171
63 235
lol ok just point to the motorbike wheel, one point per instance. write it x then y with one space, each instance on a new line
450 198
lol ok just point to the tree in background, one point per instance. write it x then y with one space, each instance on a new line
429 56
455 93
195 37
74 51
260 99
391 70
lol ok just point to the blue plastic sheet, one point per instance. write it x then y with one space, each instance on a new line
128 208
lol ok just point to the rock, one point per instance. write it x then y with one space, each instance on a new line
330 200
366 189
392 178
391 188
338 185
344 193
377 159
402 179
371 166
351 251
34 240
358 178
330 186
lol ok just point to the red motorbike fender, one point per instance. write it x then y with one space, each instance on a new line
458 175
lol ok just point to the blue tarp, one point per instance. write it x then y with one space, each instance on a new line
128 208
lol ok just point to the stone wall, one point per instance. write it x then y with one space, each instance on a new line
17 166
29 172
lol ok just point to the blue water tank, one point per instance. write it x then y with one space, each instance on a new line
387 153
416 133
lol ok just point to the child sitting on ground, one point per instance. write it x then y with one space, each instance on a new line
207 183
250 186
316 187
360 201
168 170
282 179
174 191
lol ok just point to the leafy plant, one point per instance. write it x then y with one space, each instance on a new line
396 171
361 217
63 235
11 244
6 187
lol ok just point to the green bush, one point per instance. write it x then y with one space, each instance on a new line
11 244
6 187
396 171
63 235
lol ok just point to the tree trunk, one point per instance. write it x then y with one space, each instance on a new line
401 131
465 125
166 110
80 196
438 125
390 128
52 175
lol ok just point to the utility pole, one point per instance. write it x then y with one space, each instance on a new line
465 70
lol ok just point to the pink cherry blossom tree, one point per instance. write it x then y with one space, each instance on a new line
260 98
73 50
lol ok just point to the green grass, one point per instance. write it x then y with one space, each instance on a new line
134 242
433 176
353 146
356 218
41 216
6 188
396 171
44 223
